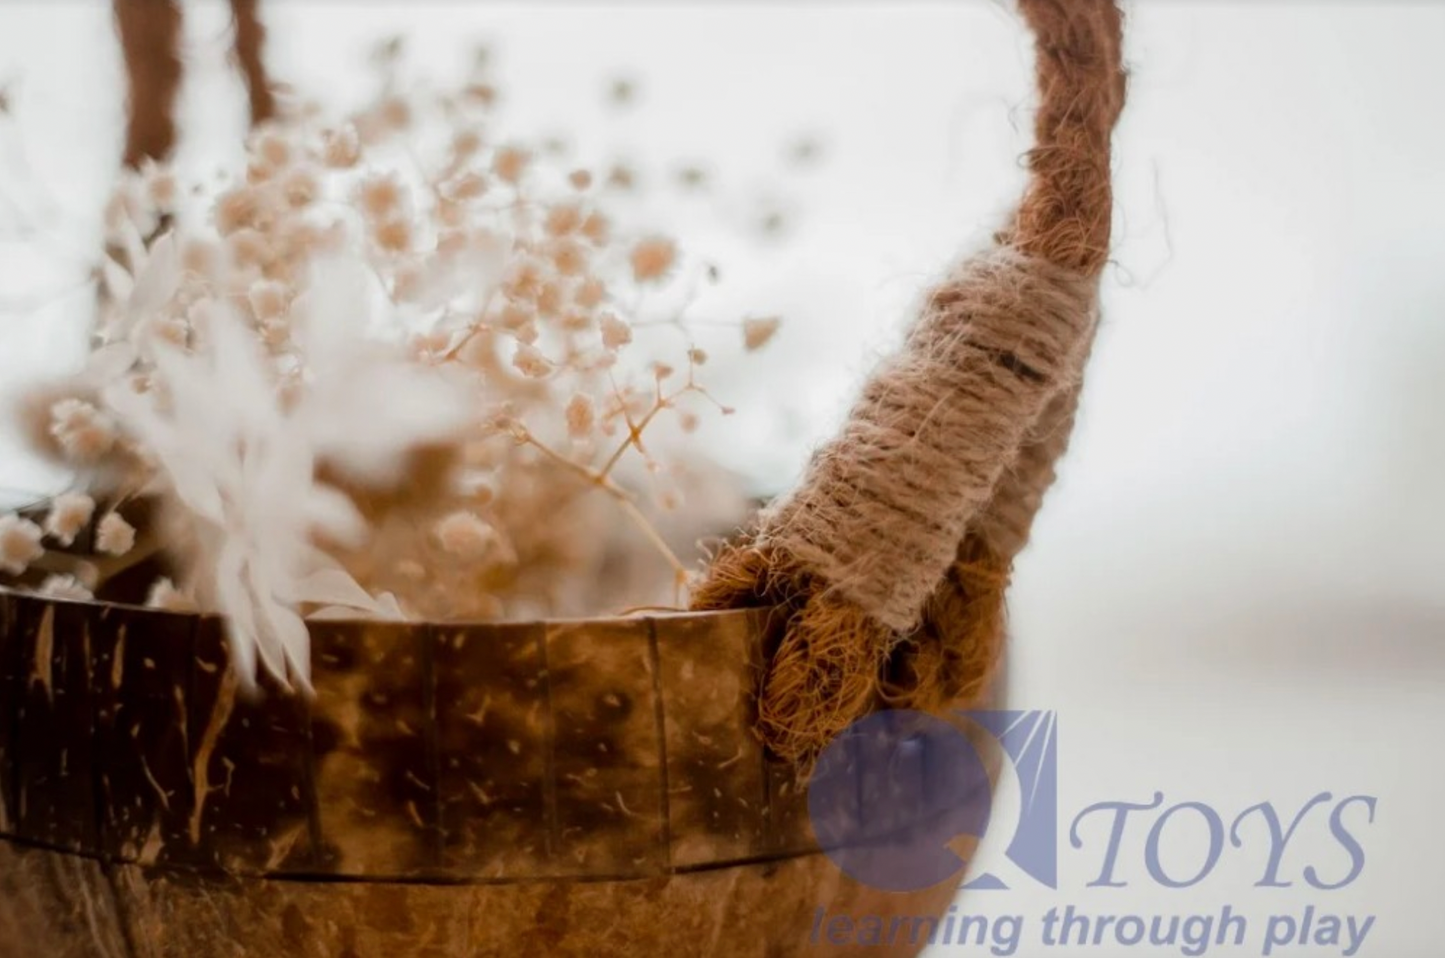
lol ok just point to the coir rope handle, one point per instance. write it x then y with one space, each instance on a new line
893 554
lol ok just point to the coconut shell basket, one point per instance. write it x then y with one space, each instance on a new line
622 786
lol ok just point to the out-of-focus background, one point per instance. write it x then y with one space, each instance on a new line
1234 593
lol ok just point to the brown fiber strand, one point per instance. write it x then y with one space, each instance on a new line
150 34
894 553
250 44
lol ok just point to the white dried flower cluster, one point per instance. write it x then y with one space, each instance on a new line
68 587
70 513
366 377
113 535
83 432
19 544
165 595
467 536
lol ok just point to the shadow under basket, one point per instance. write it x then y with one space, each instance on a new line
552 789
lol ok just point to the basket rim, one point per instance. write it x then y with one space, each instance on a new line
641 615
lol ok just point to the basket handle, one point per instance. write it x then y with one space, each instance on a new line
893 554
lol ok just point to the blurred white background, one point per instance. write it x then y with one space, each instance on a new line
1234 594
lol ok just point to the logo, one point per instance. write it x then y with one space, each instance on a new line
901 800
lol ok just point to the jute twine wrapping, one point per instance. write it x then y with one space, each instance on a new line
894 552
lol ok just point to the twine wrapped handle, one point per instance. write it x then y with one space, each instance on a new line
894 552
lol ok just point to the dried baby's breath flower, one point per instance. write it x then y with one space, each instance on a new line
757 332
590 293
568 256
563 218
466 535
466 144
502 318
529 361
523 279
113 535
275 333
615 332
272 149
249 249
19 543
300 187
581 416
69 513
341 148
510 163
84 433
164 595
65 587
550 297
393 235
394 113
576 321
597 228
200 257
652 258
514 315
468 186
238 209
268 298
451 212
380 197
697 356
